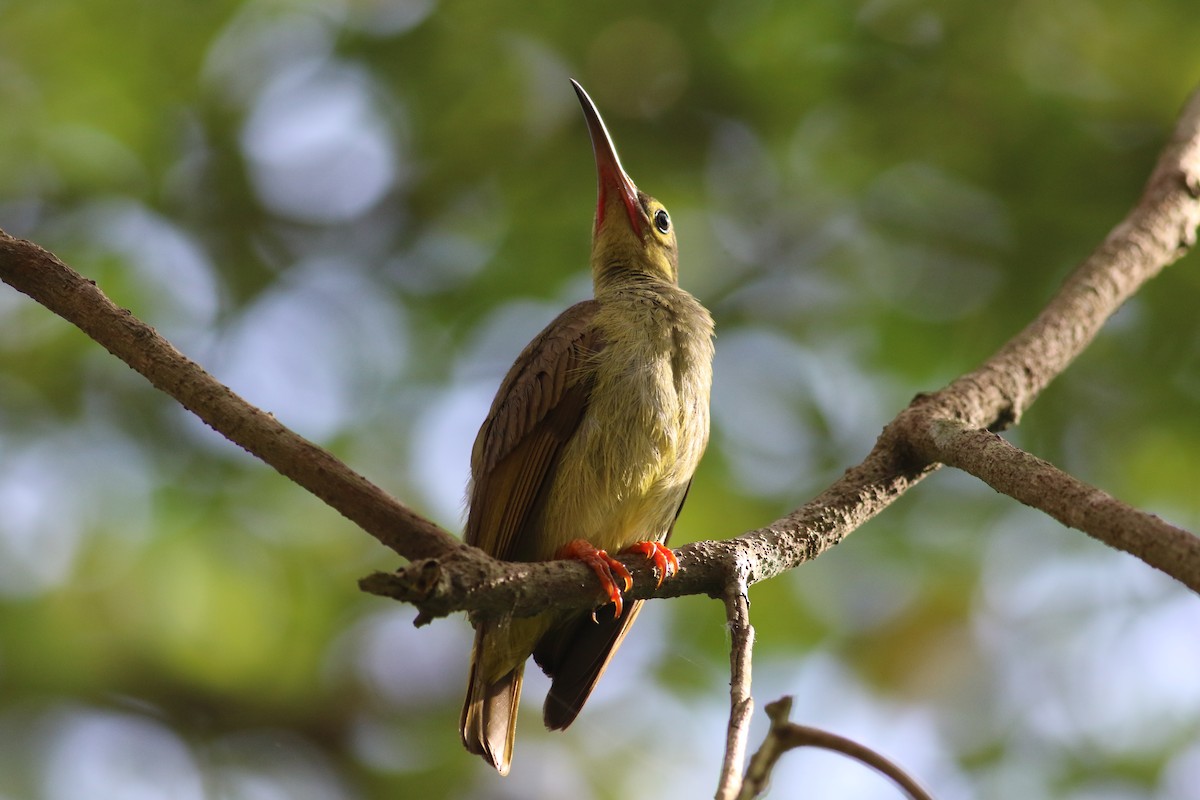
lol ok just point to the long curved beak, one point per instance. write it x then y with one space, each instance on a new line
609 172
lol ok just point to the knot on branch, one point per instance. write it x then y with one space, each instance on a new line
414 584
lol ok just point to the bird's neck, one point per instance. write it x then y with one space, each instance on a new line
656 307
621 280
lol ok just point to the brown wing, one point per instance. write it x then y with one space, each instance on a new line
576 655
536 411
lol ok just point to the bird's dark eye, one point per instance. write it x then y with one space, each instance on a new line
662 220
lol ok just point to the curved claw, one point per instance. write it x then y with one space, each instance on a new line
664 559
607 569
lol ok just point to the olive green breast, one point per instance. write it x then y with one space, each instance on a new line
626 470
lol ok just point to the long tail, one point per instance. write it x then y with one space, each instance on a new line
489 715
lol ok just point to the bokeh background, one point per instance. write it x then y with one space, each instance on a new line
355 212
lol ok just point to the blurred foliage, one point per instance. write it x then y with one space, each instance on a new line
355 212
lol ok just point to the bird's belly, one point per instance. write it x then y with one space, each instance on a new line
624 475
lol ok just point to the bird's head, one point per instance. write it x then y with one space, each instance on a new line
634 237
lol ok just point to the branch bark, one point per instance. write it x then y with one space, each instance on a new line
42 276
1040 484
447 576
741 702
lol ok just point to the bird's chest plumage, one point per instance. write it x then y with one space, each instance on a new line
649 402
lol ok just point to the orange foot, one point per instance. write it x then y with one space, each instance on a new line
664 558
609 570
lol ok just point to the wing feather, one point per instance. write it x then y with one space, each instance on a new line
535 413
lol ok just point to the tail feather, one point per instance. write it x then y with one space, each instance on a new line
575 656
489 716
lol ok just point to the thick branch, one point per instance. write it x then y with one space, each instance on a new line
1156 232
468 581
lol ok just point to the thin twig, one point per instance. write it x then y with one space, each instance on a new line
741 703
785 735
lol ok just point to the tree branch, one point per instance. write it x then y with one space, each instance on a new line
1157 231
1072 502
741 703
785 736
33 271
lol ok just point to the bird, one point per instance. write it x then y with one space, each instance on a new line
589 447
